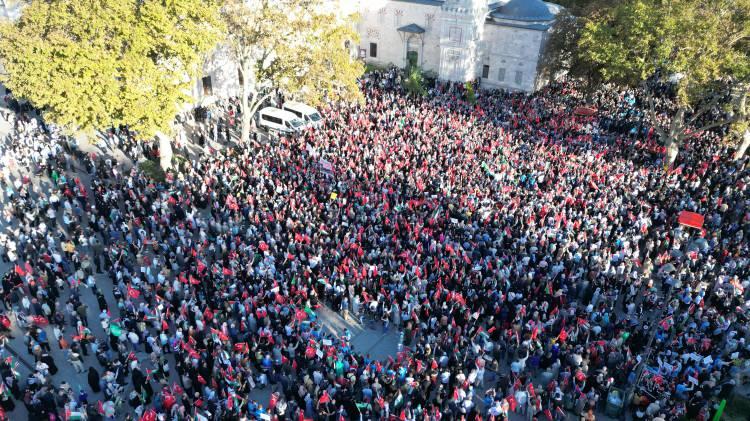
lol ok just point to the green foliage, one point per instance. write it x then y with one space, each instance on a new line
374 67
697 39
89 64
414 82
326 68
560 55
698 46
153 170
295 46
469 93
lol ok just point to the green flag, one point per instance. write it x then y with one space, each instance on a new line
720 411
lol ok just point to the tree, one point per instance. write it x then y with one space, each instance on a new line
92 64
740 112
414 83
291 45
560 51
689 51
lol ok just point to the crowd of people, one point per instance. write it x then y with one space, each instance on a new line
530 254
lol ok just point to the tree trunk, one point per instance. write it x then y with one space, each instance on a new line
743 145
673 147
245 135
673 140
165 151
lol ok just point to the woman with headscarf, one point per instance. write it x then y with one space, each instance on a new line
94 380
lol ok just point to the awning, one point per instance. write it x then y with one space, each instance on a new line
412 28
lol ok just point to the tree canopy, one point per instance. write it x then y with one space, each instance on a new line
696 48
296 46
561 50
90 64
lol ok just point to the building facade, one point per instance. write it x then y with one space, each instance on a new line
459 40
499 41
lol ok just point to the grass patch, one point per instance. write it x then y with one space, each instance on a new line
153 170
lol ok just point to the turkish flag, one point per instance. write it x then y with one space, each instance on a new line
512 402
324 398
149 415
133 293
169 401
220 334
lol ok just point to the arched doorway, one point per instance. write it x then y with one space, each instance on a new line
413 47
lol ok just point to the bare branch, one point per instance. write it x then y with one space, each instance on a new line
257 104
710 126
714 101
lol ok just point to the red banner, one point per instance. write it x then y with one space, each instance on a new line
691 219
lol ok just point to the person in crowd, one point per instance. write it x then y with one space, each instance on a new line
530 254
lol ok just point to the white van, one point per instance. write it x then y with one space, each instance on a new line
304 112
278 120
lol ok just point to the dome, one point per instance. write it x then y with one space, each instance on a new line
523 10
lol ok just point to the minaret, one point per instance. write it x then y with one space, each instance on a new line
462 26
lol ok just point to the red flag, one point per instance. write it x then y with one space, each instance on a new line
691 219
512 402
548 414
176 389
563 335
133 293
194 281
220 334
201 380
149 415
227 272
19 271
168 401
324 397
241 347
531 390
201 266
